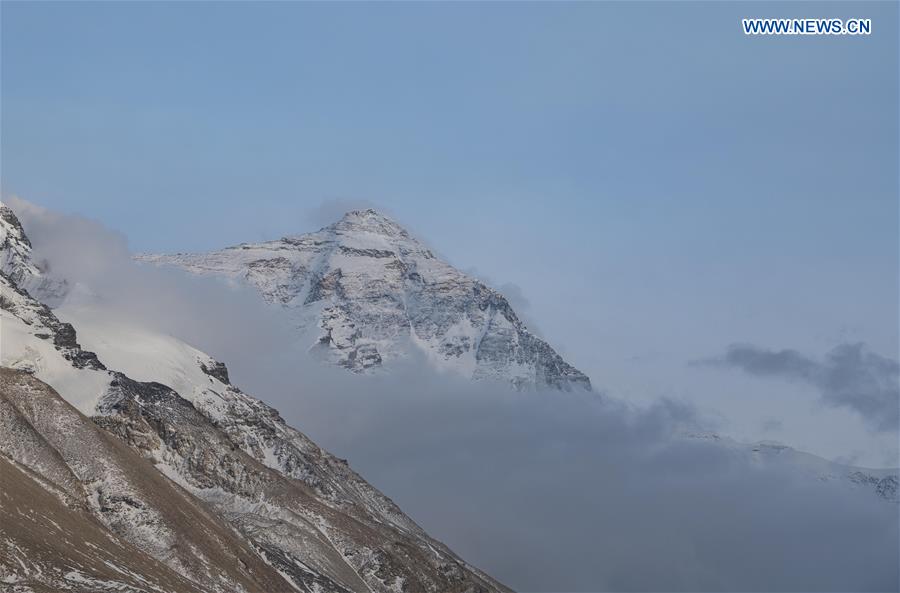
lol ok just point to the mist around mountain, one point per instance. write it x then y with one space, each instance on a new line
544 489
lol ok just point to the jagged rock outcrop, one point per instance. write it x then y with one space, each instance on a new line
372 291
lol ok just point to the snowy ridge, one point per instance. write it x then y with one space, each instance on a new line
371 291
883 482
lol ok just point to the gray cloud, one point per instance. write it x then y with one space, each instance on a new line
772 425
567 492
849 377
547 491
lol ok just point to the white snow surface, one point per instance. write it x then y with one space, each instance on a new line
140 352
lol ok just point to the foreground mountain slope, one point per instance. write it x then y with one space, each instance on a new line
370 291
297 516
69 478
50 547
258 428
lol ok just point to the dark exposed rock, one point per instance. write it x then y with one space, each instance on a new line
217 370
376 253
885 486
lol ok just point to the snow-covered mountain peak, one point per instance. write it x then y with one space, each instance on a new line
362 230
369 221
371 292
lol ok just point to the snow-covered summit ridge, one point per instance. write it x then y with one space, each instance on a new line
370 292
370 221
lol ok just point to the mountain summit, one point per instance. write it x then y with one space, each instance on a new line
371 293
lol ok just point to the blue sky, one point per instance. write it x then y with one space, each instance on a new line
657 184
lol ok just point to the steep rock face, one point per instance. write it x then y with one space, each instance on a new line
203 479
371 291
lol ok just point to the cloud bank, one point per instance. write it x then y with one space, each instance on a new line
545 491
571 492
849 377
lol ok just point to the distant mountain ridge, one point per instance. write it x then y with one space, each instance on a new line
884 483
371 292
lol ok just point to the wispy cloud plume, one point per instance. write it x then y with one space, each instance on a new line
849 377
